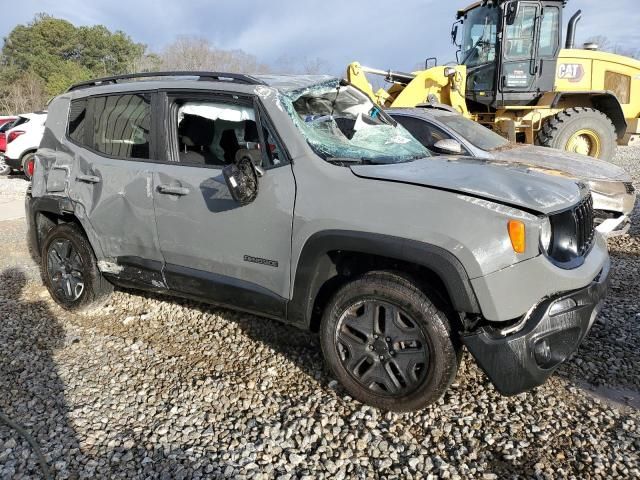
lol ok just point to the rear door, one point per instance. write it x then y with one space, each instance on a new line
111 141
213 247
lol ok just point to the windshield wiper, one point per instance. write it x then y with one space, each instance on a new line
345 160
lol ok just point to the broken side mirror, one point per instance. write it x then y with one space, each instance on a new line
241 178
448 146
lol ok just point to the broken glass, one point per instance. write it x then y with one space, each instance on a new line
340 122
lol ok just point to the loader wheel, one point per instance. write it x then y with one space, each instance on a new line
580 130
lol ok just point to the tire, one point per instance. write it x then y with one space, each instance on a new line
383 366
75 283
4 169
27 170
581 130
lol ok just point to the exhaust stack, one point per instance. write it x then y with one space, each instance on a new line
571 29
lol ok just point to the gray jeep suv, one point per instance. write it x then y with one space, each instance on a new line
297 199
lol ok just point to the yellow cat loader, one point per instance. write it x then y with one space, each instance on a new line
513 76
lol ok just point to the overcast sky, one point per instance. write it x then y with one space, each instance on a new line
397 34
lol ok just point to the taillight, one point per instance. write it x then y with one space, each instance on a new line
13 135
31 166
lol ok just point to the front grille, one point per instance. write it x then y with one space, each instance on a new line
585 228
628 186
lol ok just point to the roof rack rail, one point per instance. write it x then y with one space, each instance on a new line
204 76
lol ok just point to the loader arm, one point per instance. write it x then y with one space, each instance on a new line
440 84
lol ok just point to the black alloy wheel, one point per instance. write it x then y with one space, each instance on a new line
389 341
382 347
65 270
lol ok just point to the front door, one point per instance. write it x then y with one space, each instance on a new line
213 247
519 67
530 47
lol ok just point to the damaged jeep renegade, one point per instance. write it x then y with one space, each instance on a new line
297 199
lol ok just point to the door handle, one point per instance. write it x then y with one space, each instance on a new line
173 190
88 178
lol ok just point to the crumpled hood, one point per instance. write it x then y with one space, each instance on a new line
502 182
560 162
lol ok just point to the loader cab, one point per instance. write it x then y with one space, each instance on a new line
510 49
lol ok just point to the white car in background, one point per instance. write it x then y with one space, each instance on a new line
22 141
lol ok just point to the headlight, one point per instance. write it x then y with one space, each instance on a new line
545 234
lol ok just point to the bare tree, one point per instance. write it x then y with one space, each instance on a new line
308 66
27 94
195 53
607 45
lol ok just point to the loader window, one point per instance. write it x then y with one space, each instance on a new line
479 39
519 36
549 32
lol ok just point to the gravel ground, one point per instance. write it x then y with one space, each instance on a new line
160 388
13 186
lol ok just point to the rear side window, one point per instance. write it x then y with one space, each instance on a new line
121 125
115 125
77 120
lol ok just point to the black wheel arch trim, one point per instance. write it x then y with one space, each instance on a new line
314 267
604 101
59 206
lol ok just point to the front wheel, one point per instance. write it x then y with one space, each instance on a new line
388 344
70 271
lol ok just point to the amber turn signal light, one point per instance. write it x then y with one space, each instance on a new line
517 236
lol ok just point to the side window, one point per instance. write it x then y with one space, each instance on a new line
77 120
520 35
122 125
275 153
549 32
426 133
215 132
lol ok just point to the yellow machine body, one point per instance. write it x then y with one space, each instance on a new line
582 78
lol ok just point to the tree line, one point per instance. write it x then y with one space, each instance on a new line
43 58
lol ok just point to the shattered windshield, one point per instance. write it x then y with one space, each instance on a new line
341 123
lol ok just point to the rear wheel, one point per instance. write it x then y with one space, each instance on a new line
580 130
70 271
28 164
388 343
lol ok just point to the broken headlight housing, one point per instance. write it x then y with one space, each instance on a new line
546 234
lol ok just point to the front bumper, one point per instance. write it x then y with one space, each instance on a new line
615 226
523 357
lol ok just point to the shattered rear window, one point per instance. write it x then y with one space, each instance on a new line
340 122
